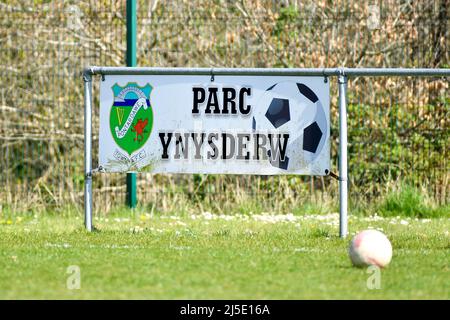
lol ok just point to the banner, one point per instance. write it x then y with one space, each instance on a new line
261 125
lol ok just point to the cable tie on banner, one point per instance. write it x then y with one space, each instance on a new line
99 169
212 74
333 175
325 77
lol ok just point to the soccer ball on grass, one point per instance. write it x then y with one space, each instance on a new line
370 247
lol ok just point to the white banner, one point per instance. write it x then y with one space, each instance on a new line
230 124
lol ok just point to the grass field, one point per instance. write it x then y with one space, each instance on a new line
140 256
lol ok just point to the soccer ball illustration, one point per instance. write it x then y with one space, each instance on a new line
291 107
370 247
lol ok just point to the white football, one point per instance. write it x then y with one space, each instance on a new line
370 247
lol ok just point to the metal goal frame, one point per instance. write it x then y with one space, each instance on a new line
342 75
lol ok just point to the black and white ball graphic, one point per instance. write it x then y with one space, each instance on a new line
291 107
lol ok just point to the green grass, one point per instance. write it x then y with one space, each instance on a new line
411 202
140 256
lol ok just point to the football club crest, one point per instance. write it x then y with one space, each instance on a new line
131 116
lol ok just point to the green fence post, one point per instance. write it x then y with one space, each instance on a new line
131 199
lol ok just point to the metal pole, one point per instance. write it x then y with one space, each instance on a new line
87 78
343 187
131 198
349 72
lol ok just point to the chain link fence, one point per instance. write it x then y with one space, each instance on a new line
399 128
